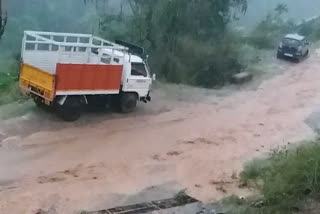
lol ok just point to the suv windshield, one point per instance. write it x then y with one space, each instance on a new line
291 42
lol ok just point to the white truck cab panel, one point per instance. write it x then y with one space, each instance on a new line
136 76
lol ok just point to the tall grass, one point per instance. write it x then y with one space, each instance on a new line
9 76
286 179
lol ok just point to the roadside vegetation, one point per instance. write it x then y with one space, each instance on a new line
288 181
311 29
268 32
9 76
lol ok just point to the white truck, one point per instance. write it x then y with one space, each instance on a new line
70 71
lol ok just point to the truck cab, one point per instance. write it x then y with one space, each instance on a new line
136 77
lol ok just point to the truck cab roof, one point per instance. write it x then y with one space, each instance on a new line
128 57
295 37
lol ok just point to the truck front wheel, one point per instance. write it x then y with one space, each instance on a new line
128 102
71 109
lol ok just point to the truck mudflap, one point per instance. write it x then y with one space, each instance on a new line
149 97
146 99
36 82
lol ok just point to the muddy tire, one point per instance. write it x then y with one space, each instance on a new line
71 110
128 102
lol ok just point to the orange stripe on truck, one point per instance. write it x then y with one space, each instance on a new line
83 77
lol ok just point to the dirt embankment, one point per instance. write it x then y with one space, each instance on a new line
179 141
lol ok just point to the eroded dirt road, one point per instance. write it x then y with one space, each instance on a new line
192 142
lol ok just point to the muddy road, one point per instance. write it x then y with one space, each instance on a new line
187 138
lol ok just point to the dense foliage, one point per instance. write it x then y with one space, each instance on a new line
268 32
189 41
311 29
287 180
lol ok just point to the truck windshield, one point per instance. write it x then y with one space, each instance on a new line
291 42
138 69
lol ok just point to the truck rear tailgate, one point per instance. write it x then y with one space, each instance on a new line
38 82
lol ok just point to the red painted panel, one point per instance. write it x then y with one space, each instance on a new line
82 77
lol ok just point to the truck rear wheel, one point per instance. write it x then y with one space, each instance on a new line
71 110
128 102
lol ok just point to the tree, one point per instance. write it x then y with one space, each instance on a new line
189 40
281 9
272 28
183 36
3 20
200 18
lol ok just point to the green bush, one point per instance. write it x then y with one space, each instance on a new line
311 29
268 33
202 63
255 169
289 177
9 76
11 93
236 205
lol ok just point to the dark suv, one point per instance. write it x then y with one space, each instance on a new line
293 46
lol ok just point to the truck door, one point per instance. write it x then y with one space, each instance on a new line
138 80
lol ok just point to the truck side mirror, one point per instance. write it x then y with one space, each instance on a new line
154 77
